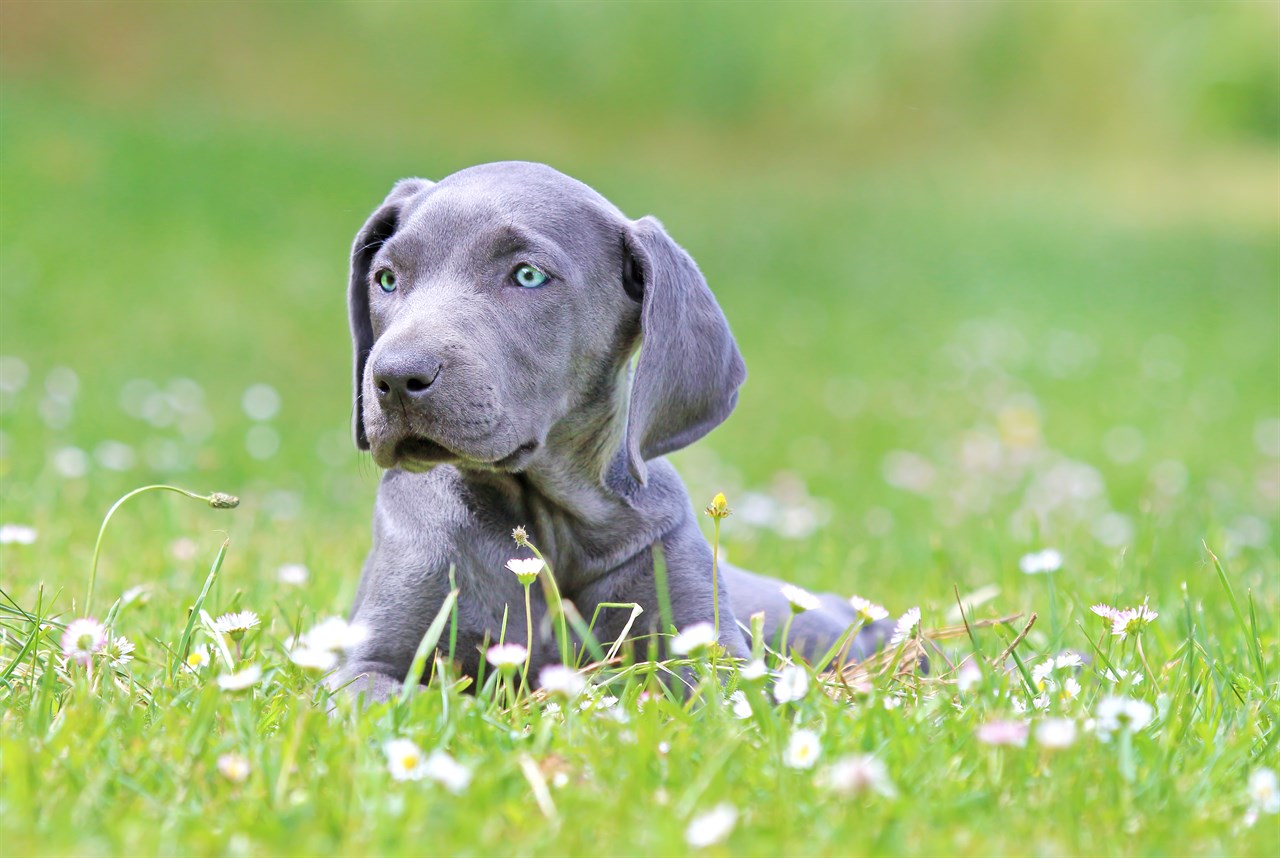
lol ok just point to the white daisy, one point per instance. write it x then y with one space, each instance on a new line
335 634
802 751
526 569
694 639
1106 612
1120 675
1132 621
1070 688
801 600
234 625
753 670
241 679
309 658
906 625
197 659
741 705
968 676
120 650
712 827
506 656
234 767
867 611
792 684
83 639
405 760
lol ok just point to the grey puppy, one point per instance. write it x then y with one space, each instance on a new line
494 315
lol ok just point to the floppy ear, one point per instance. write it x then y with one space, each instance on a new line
380 226
687 378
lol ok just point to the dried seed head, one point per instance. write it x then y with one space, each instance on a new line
221 500
521 537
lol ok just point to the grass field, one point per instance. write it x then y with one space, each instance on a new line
1024 295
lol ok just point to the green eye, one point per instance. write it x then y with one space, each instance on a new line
529 276
386 279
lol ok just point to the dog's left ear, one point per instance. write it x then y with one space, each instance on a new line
687 378
380 226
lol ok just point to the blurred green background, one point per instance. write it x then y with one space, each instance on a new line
1005 274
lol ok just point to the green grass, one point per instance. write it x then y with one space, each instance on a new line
1002 282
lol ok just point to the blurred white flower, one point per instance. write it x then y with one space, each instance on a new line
1003 733
906 625
234 767
712 827
562 680
1264 795
446 771
867 611
17 534
197 659
968 676
1055 733
334 634
1114 714
311 658
741 705
801 600
404 760
792 684
83 639
694 639
506 656
1040 562
753 670
120 650
293 574
1106 612
802 751
857 774
1120 675
241 679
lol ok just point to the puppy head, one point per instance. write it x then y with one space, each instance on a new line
504 302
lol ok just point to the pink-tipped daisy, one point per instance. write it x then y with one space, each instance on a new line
83 639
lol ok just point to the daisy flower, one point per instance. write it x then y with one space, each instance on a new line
234 625
694 639
82 639
712 827
857 774
1132 621
1120 674
198 658
310 658
120 651
753 670
558 679
968 676
526 569
792 684
241 679
867 611
906 625
507 656
741 705
446 771
802 751
1106 612
404 760
1070 688
1121 713
234 767
801 600
293 574
334 633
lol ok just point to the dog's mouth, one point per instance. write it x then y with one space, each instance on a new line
416 453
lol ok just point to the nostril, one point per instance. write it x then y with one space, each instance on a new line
382 387
416 385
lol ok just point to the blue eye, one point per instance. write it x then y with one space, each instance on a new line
386 279
529 276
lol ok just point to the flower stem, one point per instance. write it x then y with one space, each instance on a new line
715 575
217 500
528 631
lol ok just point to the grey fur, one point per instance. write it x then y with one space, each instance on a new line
493 406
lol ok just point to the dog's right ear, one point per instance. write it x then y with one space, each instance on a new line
380 226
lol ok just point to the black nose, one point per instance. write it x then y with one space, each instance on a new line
407 376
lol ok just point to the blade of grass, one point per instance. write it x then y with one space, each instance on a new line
184 642
426 645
